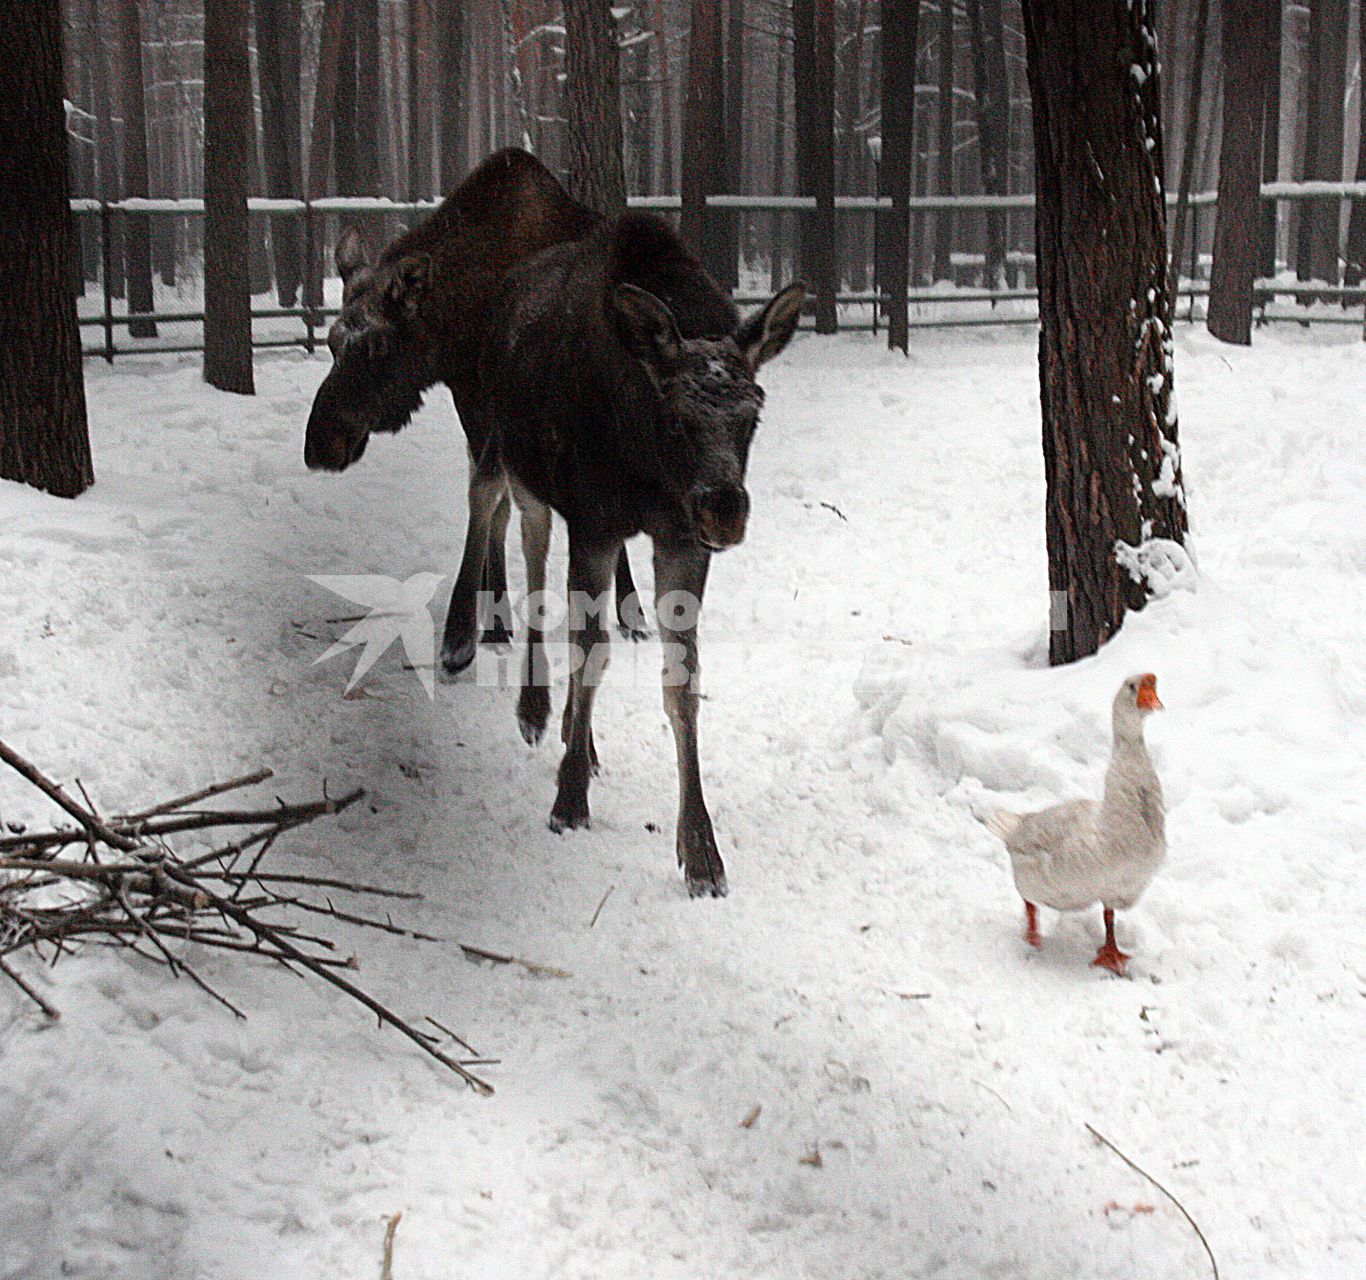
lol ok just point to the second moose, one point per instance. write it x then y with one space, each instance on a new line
617 388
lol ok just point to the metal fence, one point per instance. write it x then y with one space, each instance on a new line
313 313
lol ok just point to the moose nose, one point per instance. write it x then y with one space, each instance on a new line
721 515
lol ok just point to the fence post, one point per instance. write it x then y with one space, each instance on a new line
106 267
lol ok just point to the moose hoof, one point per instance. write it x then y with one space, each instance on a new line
456 656
706 886
497 637
569 816
533 711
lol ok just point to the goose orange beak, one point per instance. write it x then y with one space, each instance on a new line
1147 694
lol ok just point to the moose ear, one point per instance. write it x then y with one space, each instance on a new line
647 328
409 282
351 253
767 332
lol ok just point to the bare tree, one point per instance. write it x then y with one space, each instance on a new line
137 233
320 134
419 102
813 67
1271 133
227 138
596 174
900 23
1115 499
666 101
1248 59
1356 232
43 436
450 39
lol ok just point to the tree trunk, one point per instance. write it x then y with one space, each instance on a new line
1247 64
987 36
777 221
368 98
450 37
1356 233
1271 133
137 233
43 436
900 23
704 164
850 75
106 148
419 103
640 131
1183 191
596 173
1115 502
227 137
320 135
277 56
813 66
666 102
943 221
1325 85
730 223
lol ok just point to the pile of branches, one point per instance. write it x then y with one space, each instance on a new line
118 881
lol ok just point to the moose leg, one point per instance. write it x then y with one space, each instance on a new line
590 578
533 703
680 580
487 488
630 614
498 611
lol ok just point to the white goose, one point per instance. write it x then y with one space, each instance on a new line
1078 853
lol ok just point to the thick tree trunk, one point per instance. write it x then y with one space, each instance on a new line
43 436
1188 149
1325 85
277 55
450 92
730 224
227 137
704 164
1247 64
943 221
1115 502
987 35
596 173
137 232
851 162
900 25
778 221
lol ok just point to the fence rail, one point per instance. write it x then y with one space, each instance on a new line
314 316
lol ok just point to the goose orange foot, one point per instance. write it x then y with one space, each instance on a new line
1110 956
1032 925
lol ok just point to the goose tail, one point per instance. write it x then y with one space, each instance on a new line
1002 823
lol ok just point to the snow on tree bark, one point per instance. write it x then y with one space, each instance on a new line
227 136
43 436
1115 509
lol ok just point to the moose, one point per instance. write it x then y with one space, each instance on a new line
617 388
417 316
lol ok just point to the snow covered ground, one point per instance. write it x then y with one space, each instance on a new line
875 664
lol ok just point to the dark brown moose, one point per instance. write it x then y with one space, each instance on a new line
617 387
417 316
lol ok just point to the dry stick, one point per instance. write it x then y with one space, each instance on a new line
390 1226
54 793
1185 1213
323 882
601 904
23 986
282 943
464 1044
368 921
216 789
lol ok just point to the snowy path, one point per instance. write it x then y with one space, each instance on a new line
155 638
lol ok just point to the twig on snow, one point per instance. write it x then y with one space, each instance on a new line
601 904
390 1227
1185 1213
